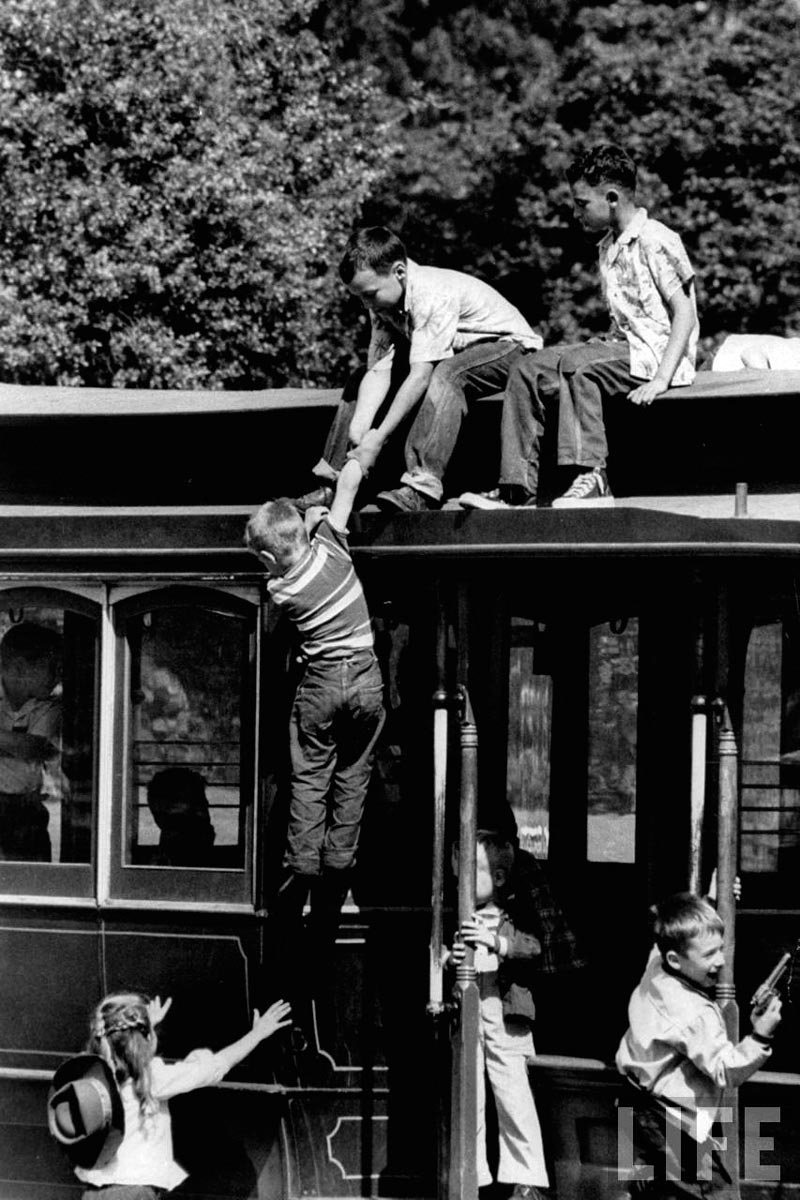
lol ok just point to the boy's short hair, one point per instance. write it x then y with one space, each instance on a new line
373 248
499 850
682 917
604 164
278 528
30 643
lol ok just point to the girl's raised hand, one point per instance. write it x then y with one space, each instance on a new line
156 1011
277 1016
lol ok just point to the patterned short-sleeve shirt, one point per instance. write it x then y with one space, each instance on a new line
640 271
443 312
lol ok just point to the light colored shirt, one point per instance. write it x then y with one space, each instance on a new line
323 596
641 271
39 717
443 312
677 1048
145 1153
491 918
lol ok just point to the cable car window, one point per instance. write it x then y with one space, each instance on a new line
48 673
189 738
186 714
770 808
530 721
612 741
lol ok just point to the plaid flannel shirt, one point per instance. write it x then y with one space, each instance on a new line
531 906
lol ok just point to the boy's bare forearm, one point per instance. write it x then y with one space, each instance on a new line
347 486
372 392
409 394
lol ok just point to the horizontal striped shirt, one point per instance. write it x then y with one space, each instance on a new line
323 596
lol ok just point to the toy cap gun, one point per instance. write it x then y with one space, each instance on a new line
768 988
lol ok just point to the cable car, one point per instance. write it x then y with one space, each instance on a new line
617 685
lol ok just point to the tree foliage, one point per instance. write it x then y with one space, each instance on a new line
499 96
178 179
180 175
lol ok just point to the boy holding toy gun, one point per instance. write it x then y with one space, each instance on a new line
676 1056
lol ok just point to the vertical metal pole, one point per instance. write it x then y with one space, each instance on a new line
698 790
699 746
727 858
463 1175
435 970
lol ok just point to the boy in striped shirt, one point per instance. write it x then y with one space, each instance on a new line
338 710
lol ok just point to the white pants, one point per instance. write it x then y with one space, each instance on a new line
503 1050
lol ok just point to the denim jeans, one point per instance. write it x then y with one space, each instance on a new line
531 389
674 1158
589 374
337 717
479 370
124 1191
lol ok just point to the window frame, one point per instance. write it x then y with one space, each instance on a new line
151 885
53 882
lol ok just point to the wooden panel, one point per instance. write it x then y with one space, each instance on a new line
49 980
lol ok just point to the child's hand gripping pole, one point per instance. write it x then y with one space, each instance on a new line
768 988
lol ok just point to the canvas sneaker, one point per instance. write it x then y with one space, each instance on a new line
590 487
499 497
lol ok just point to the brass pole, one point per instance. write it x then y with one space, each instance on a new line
698 791
463 1174
440 736
727 859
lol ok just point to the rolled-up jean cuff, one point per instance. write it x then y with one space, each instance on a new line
428 485
310 867
324 470
338 862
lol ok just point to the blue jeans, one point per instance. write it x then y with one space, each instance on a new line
124 1191
532 387
337 717
673 1158
588 375
479 370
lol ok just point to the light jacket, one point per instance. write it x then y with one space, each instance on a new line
677 1049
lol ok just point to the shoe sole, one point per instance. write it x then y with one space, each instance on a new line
589 502
476 500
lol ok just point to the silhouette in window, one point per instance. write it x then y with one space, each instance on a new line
30 736
177 799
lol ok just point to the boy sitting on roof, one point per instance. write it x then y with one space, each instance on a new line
439 339
648 284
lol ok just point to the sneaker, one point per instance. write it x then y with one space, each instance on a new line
405 499
510 496
589 487
527 1191
323 495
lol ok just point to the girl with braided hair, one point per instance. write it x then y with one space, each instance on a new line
122 1032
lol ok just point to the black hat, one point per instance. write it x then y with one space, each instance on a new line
84 1110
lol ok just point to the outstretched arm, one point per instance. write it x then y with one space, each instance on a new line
347 486
409 394
372 392
277 1016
